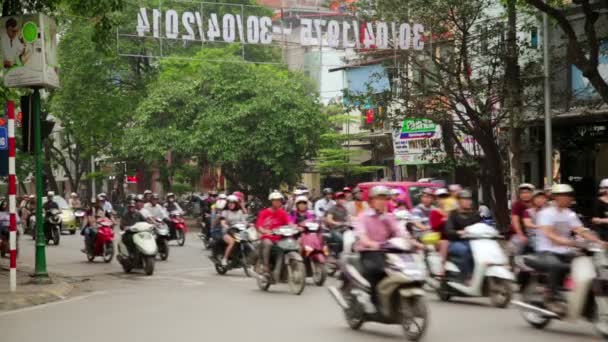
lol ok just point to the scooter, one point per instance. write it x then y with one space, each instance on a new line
179 224
145 249
79 214
162 236
242 255
400 295
314 252
334 249
52 226
491 275
5 237
103 245
286 262
587 299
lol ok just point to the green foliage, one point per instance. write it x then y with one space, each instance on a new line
259 122
181 188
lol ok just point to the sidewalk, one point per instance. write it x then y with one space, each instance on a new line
29 294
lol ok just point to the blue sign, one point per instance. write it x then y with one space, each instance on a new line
581 88
3 139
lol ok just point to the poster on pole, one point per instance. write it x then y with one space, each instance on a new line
29 51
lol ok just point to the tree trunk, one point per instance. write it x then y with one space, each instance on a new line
513 99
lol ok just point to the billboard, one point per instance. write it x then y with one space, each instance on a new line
29 51
417 142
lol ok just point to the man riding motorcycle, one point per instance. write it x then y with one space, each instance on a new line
337 218
155 209
374 227
270 219
172 204
132 217
554 242
324 204
228 217
458 220
50 203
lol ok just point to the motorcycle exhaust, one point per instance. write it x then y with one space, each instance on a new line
337 296
535 309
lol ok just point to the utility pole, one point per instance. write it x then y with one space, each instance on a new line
548 129
40 274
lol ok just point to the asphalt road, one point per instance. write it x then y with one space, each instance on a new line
186 301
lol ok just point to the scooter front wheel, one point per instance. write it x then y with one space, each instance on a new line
56 236
108 252
297 277
414 317
181 237
163 250
319 273
149 264
354 314
500 292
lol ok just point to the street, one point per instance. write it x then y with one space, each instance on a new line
186 301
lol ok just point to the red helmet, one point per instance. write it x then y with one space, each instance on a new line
340 195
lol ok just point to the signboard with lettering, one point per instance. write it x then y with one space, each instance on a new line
417 142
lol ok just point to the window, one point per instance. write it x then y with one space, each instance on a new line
534 37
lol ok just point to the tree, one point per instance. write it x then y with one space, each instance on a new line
459 80
585 49
260 123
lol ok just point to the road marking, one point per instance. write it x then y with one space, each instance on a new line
186 270
42 306
185 281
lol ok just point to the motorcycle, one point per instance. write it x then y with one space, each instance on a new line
587 299
52 226
242 254
286 262
491 275
162 236
103 245
5 238
180 227
80 214
400 295
145 249
334 248
314 252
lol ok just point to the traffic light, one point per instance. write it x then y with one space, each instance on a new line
27 125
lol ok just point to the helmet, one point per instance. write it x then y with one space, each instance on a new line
347 189
428 191
327 191
526 186
73 194
170 195
233 198
562 189
148 192
539 193
455 188
395 192
31 196
604 183
275 195
301 199
222 196
101 196
340 194
465 194
220 204
442 192
132 203
298 192
239 195
379 190
155 196
50 193
139 198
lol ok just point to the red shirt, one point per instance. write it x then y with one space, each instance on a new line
520 209
272 219
437 221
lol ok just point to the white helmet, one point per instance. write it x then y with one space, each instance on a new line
50 193
562 189
380 190
301 199
275 195
233 198
441 192
604 183
220 204
298 192
222 196
526 186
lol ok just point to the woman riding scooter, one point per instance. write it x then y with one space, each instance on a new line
230 216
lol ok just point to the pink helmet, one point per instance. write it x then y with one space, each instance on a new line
239 194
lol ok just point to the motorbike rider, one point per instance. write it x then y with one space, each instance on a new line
132 217
357 205
324 204
102 198
171 205
50 202
301 213
155 209
147 196
422 212
374 227
270 219
600 212
337 218
518 212
74 201
437 220
230 216
458 220
555 242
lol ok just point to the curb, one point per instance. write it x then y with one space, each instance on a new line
29 294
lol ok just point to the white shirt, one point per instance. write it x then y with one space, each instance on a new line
157 211
11 49
322 207
563 221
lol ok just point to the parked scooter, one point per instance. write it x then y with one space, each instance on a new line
491 275
52 226
162 237
180 227
145 249
103 245
243 253
286 262
314 252
400 295
588 298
